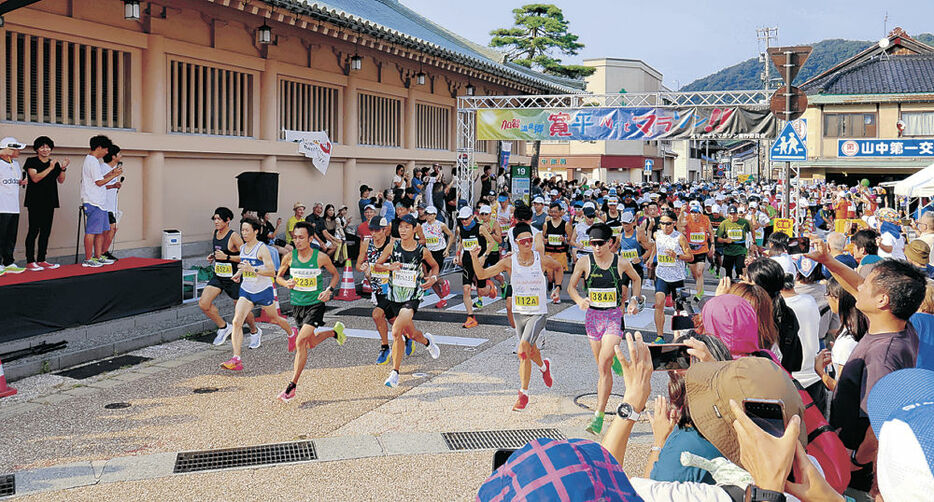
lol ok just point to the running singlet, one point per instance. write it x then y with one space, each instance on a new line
404 282
224 269
629 247
494 246
308 283
696 227
504 218
379 281
669 268
556 237
471 238
253 282
614 223
583 239
603 285
528 287
434 236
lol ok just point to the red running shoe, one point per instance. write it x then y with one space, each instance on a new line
441 304
669 302
445 288
521 402
292 339
546 373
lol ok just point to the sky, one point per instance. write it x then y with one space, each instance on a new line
689 39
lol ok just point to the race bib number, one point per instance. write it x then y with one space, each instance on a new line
735 234
630 254
585 243
760 234
664 259
249 276
404 278
698 237
555 240
223 269
306 279
433 241
603 297
617 231
469 244
381 277
526 300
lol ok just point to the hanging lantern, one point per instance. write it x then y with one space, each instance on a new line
264 34
131 10
356 62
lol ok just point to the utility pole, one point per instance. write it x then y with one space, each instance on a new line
766 35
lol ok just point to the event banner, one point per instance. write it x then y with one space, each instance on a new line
640 124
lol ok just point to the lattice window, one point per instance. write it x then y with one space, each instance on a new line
379 120
58 82
432 127
209 100
308 107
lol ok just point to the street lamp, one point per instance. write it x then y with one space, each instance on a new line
470 89
356 62
264 34
420 78
131 10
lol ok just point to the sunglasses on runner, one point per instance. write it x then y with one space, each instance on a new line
666 223
597 244
525 242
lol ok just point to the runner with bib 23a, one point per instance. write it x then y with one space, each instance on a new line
604 323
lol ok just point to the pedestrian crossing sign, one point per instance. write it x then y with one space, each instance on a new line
788 146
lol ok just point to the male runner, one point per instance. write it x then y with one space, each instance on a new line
700 239
580 242
224 259
732 234
370 251
716 218
671 251
634 246
484 214
557 236
504 216
438 240
526 268
304 264
603 321
472 234
255 275
612 218
404 259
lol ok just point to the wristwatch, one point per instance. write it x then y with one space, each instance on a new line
756 494
626 411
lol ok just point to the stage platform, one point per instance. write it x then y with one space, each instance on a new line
34 303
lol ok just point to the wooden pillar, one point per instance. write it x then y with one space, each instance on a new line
349 136
154 109
410 123
269 83
153 194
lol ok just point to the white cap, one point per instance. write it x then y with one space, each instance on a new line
708 202
538 200
554 192
678 204
612 201
12 143
589 204
588 193
464 213
626 217
484 209
715 208
431 210
753 204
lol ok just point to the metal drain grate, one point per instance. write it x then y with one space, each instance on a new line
279 453
483 440
7 485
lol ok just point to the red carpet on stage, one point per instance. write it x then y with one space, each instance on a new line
76 270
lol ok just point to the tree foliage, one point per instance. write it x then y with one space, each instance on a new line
540 31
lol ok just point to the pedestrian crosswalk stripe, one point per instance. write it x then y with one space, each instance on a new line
440 339
461 308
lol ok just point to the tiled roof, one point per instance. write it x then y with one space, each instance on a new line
883 74
389 19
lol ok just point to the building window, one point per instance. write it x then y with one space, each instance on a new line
308 107
57 82
918 123
209 100
432 127
849 125
379 120
483 146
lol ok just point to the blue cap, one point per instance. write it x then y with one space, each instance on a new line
410 219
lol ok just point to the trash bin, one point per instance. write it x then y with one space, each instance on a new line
171 244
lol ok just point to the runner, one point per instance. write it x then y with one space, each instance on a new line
700 238
526 269
611 217
732 234
224 259
370 251
715 220
581 238
602 273
504 213
255 275
558 235
484 214
671 251
404 261
307 296
438 240
634 246
472 234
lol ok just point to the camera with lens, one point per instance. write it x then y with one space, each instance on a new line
682 301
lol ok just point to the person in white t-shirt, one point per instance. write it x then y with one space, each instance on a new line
94 200
11 179
808 316
112 160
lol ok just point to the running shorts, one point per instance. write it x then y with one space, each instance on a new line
626 281
698 258
95 220
231 288
561 258
468 275
529 328
600 323
395 308
262 299
311 315
439 258
668 288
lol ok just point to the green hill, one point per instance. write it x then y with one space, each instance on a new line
826 54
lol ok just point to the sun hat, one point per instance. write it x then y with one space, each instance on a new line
12 143
918 251
464 213
298 205
626 217
484 209
568 470
431 210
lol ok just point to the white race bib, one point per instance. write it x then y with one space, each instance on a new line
469 244
223 269
404 278
306 279
602 297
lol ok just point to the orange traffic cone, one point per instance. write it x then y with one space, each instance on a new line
4 389
348 289
265 318
367 289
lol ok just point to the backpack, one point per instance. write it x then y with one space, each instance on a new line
788 342
824 444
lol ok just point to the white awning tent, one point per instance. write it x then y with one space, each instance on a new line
919 184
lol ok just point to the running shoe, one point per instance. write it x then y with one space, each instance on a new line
13 269
556 299
445 288
47 265
521 402
441 304
106 261
596 425
222 334
292 339
478 304
285 397
34 267
502 291
546 373
91 262
111 257
617 367
339 329
409 347
492 293
233 364
392 380
668 301
383 357
256 339
433 348
658 340
471 322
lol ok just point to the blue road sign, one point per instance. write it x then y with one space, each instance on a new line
788 146
649 165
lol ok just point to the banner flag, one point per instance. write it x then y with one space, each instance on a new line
313 144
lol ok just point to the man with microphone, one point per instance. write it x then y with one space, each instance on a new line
112 160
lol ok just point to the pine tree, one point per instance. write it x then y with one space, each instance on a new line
540 30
